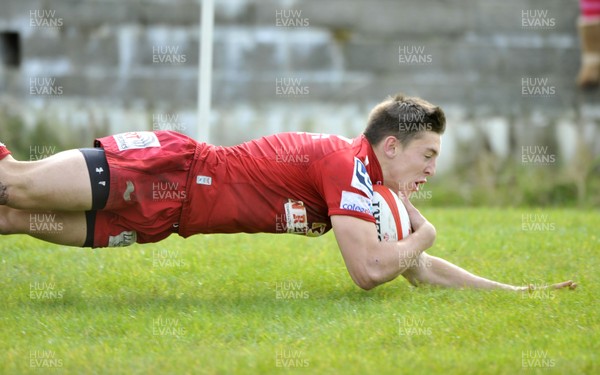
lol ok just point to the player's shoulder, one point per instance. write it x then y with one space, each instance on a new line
332 140
313 146
325 145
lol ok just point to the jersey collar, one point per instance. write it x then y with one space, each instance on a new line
365 153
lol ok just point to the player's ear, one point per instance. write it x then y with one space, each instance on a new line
391 146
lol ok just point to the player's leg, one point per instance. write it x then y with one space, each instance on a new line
63 228
60 182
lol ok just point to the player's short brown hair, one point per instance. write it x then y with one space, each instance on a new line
403 117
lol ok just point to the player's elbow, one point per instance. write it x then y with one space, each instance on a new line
367 277
365 283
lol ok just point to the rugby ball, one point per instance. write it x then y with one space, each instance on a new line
391 217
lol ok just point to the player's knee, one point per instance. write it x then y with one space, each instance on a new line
17 195
4 226
23 193
5 182
3 194
15 189
8 221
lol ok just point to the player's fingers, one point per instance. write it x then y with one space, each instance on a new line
564 284
413 213
407 203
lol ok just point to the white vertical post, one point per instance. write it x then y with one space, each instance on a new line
205 69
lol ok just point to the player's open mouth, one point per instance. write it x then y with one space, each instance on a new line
417 184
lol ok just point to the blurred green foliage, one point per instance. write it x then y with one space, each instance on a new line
21 139
515 184
485 181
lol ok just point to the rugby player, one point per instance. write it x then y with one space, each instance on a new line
144 186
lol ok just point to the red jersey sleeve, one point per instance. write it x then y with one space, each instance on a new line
346 186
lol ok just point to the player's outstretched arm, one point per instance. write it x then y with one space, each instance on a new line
370 262
427 269
437 271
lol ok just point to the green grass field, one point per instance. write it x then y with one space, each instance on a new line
285 304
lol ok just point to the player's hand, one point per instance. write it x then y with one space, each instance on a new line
416 218
570 284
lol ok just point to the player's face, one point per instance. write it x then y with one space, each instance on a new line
412 164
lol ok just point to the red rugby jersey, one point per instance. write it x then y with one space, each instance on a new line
283 183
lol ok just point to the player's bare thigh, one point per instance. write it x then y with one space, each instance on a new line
64 228
59 182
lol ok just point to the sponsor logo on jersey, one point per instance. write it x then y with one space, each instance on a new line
135 140
128 190
126 238
317 229
296 219
203 180
361 179
355 202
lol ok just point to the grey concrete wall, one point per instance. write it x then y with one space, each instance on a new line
479 51
299 65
